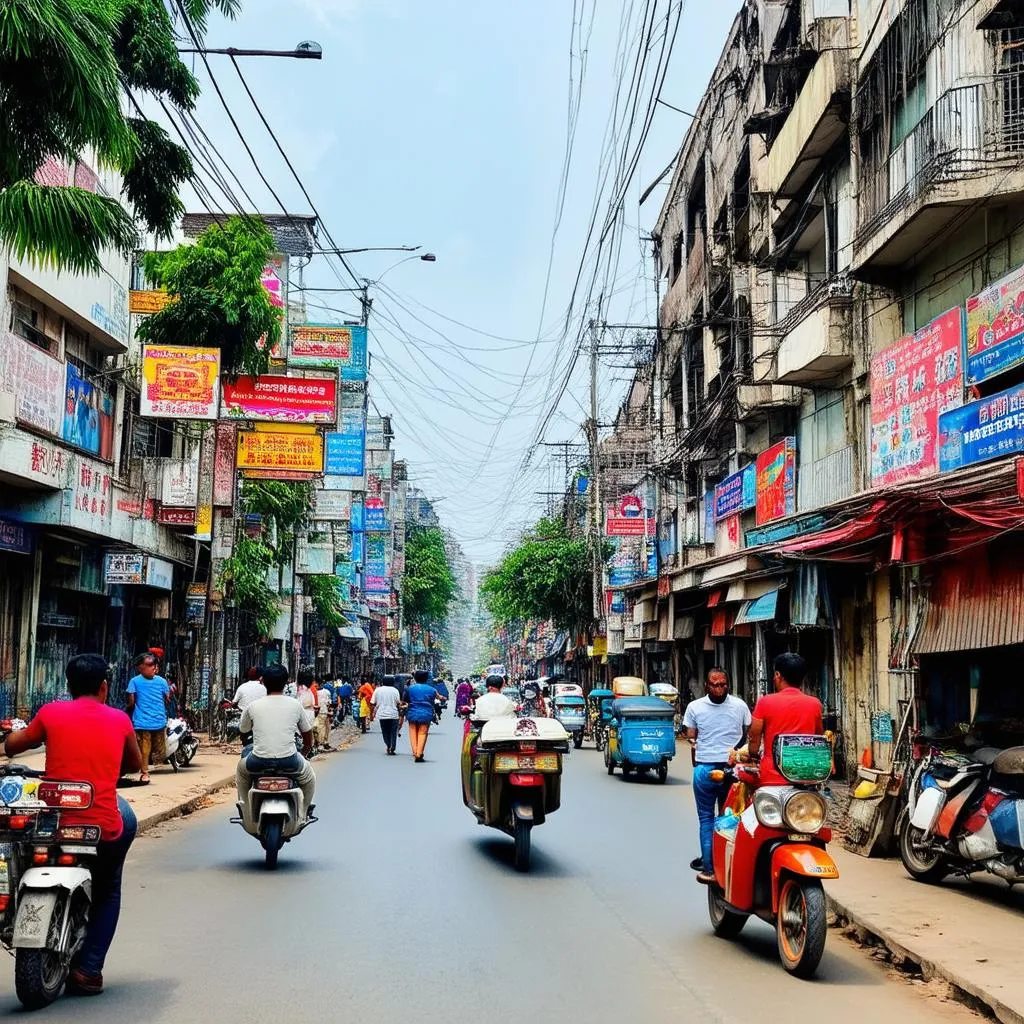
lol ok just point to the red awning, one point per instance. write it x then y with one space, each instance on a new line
840 539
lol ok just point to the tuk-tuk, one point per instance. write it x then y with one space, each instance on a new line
599 715
629 686
668 693
566 690
641 737
571 710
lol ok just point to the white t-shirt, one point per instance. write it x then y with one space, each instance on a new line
306 698
273 721
385 699
719 727
250 690
492 705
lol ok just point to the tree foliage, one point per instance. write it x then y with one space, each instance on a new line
547 575
64 69
284 506
244 579
428 584
221 299
326 594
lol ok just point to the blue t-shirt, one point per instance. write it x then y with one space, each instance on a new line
150 705
345 690
421 703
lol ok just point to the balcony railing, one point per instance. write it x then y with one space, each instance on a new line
967 129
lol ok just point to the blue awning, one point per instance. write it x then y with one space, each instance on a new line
760 609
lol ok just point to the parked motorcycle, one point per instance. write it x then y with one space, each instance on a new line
274 813
440 706
769 854
181 743
45 879
965 814
232 717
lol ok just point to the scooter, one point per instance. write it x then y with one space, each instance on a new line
274 813
965 814
181 743
770 858
45 879
440 706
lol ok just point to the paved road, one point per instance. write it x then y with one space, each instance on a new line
398 907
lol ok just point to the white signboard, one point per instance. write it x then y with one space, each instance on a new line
124 567
332 504
159 573
179 483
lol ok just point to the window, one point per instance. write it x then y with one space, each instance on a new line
908 112
822 429
31 320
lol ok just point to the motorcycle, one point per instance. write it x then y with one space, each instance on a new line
232 717
273 812
440 706
964 814
45 879
181 743
531 704
769 853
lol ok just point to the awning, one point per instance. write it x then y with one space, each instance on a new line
352 633
557 646
760 609
838 541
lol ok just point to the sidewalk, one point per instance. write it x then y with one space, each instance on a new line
967 933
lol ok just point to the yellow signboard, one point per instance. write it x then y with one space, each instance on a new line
600 648
148 302
180 382
280 451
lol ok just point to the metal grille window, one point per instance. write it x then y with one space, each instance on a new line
1011 88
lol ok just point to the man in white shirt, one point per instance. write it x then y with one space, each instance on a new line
252 689
273 721
493 703
715 726
384 709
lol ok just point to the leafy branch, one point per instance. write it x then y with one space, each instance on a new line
325 593
244 578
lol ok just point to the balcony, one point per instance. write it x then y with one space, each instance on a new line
819 344
755 401
966 151
814 125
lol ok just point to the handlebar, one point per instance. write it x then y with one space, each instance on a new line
21 769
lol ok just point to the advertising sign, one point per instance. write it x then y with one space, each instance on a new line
280 399
346 447
195 604
334 505
280 452
169 516
15 537
332 345
912 383
776 481
36 380
982 430
224 465
88 415
375 432
375 516
148 301
179 382
995 328
179 483
625 517
124 567
159 573
736 493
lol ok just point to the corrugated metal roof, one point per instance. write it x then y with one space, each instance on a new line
294 233
973 603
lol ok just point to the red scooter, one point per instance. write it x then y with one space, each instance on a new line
770 859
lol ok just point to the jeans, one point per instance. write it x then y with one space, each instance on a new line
250 766
106 893
389 730
708 796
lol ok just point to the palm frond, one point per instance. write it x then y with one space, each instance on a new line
151 182
198 11
64 228
149 61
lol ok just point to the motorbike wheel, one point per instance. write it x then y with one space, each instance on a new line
663 772
608 762
173 761
926 866
521 852
271 839
577 740
186 752
599 739
39 974
725 923
801 926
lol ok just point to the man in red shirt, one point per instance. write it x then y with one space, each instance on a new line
86 741
787 710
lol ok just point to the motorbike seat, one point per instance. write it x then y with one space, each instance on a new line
1009 761
986 756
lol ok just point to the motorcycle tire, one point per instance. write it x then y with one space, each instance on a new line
801 926
40 974
930 870
521 850
173 761
270 836
186 752
577 740
725 923
608 762
663 772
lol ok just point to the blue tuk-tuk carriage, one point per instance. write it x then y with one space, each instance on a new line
641 736
571 710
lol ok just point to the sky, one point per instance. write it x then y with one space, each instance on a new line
444 124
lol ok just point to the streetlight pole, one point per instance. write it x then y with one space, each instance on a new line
306 50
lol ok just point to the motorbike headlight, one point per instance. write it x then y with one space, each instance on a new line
768 809
805 811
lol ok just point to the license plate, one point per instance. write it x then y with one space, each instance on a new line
526 762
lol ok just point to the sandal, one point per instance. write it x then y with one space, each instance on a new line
144 780
706 879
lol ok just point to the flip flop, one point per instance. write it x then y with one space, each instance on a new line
144 780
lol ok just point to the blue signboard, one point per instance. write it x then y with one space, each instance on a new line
709 517
358 519
375 518
346 448
736 493
15 537
983 430
355 369
357 545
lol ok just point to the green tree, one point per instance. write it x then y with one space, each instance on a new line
221 299
428 583
547 575
65 67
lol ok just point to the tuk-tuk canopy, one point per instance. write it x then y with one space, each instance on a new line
663 690
595 694
642 707
569 700
629 686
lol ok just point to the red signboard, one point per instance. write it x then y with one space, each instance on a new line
224 465
912 382
776 481
281 399
625 518
170 516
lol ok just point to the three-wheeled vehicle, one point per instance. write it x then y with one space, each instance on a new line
571 710
668 693
599 715
629 686
641 736
512 776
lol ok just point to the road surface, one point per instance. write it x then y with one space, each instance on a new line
396 906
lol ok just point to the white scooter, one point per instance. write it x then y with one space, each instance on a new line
274 813
181 744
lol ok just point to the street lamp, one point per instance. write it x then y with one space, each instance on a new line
369 248
427 257
306 50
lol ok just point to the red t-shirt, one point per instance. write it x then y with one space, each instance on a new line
788 711
85 743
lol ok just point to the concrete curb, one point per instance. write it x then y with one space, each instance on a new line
185 806
965 990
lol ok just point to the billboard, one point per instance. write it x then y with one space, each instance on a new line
736 493
983 430
333 505
995 328
776 481
912 382
36 380
145 302
331 345
179 382
88 415
279 454
280 399
375 516
626 518
346 447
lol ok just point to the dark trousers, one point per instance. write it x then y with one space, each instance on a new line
105 910
389 730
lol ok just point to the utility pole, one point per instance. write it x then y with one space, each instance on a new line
595 475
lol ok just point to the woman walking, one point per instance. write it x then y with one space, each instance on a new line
420 712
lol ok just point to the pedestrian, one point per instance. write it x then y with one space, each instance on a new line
384 708
463 695
345 692
420 713
323 715
248 691
111 747
149 697
365 695
715 725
